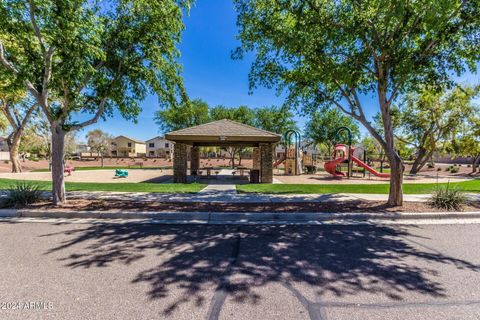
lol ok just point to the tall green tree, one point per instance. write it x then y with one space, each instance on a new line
91 57
242 114
16 108
428 118
321 126
37 138
188 114
326 52
99 142
274 119
466 139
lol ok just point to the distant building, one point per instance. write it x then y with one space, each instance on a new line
81 147
447 158
123 146
4 145
306 147
159 147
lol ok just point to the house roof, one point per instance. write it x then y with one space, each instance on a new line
128 138
223 132
155 138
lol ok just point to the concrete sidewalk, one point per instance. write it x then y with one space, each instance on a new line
226 194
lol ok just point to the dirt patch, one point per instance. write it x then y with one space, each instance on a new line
118 162
338 207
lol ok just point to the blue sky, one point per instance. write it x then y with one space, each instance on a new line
209 72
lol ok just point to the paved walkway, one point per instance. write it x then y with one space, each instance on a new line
223 189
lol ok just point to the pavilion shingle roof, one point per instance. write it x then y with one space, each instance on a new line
223 129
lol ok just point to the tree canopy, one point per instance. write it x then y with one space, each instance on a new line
321 126
327 52
93 58
99 142
465 139
242 114
186 115
273 118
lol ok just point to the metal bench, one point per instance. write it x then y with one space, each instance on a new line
136 164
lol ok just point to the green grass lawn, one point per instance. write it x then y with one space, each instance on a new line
408 188
109 168
119 187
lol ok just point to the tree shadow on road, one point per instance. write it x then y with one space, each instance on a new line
338 260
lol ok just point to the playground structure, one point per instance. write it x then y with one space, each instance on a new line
343 154
311 162
292 158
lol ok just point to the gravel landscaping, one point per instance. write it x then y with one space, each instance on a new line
327 206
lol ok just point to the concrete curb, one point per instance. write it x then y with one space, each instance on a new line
237 217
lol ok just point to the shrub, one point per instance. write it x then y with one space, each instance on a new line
439 169
447 198
447 169
454 170
22 194
6 161
430 165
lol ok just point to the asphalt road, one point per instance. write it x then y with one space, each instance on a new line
127 271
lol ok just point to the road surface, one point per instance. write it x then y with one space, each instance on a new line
128 271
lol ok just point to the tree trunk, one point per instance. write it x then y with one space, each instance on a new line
13 142
418 161
101 158
475 163
58 179
395 196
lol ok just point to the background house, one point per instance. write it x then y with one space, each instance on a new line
159 147
4 149
123 146
4 145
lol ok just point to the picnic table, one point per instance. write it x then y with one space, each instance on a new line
136 164
209 171
242 170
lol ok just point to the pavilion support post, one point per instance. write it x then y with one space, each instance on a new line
180 163
256 158
194 159
266 162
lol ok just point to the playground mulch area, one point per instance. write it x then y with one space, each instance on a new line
360 206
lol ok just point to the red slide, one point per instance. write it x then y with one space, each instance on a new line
370 169
279 161
331 167
338 157
341 153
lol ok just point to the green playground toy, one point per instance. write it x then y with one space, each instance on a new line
120 173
